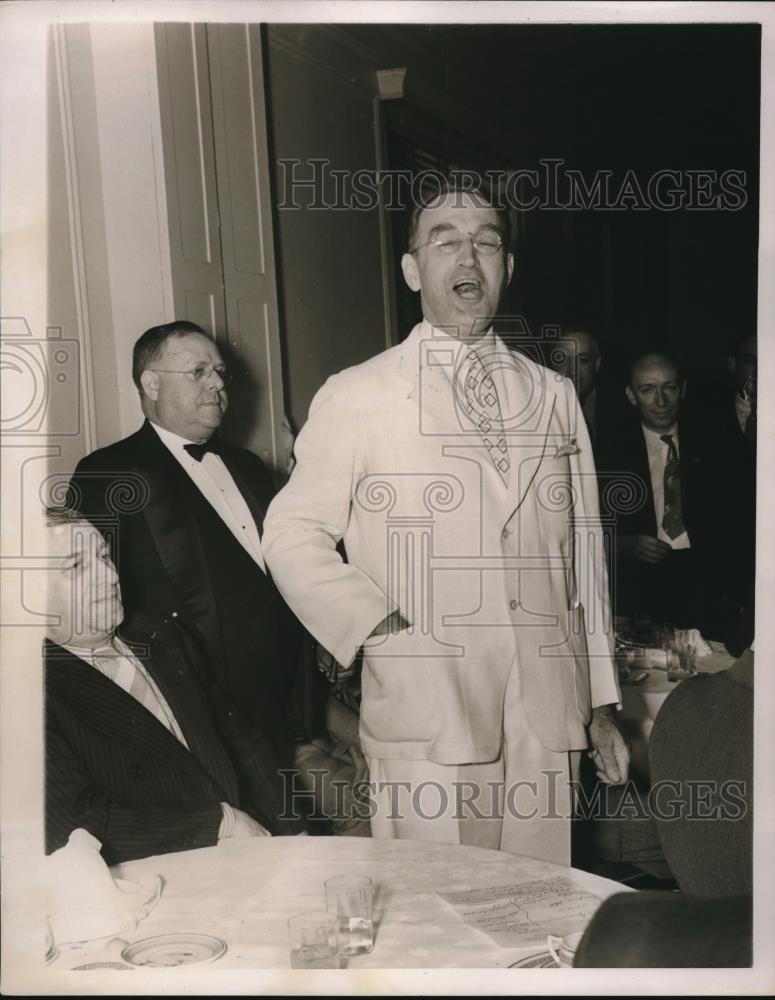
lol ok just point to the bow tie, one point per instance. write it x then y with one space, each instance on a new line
198 451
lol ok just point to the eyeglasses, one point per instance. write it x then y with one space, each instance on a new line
199 374
485 243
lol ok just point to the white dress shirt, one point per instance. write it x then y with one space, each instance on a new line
116 661
657 452
214 482
743 409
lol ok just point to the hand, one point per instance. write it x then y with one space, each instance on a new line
333 670
644 548
246 826
395 622
361 767
609 752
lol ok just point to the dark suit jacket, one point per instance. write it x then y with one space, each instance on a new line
704 733
665 930
177 560
712 512
115 770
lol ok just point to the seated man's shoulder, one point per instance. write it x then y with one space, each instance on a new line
142 627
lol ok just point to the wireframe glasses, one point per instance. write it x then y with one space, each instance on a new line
486 242
200 373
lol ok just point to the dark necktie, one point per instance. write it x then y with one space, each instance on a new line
198 451
672 519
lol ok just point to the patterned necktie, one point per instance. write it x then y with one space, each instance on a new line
483 408
672 519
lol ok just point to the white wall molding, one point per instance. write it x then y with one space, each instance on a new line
77 251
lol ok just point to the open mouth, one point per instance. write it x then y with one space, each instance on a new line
468 288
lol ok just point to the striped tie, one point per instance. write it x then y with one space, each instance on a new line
672 519
483 408
132 678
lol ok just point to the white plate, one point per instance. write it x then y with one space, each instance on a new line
168 950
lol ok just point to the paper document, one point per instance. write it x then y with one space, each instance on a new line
514 915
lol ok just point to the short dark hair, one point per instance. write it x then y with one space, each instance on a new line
149 346
654 352
431 194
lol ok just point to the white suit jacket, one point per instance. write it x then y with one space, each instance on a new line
500 584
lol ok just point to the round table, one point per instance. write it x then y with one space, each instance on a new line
641 704
243 891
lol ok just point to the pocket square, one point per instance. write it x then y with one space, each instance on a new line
568 447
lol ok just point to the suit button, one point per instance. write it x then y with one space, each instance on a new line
174 614
136 771
513 605
505 534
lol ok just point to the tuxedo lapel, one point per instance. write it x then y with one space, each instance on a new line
173 528
232 459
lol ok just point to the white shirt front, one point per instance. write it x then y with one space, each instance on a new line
743 409
214 482
657 453
116 661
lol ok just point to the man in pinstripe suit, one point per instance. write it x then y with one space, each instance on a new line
132 752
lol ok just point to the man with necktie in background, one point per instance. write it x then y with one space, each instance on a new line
676 542
454 470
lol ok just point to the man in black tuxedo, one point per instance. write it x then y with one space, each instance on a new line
182 511
132 751
677 520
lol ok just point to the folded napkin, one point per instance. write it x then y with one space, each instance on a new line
700 645
83 900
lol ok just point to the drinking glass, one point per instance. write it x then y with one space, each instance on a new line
314 941
349 897
681 655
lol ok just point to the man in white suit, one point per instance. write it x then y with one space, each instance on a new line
460 476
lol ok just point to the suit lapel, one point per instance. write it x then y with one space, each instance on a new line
528 411
105 706
169 669
428 364
173 529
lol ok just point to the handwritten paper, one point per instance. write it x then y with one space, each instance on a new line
515 915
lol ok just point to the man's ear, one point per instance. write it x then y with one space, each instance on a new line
683 388
598 363
411 273
630 395
509 267
732 364
150 383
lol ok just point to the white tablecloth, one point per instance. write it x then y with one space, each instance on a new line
243 891
641 704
